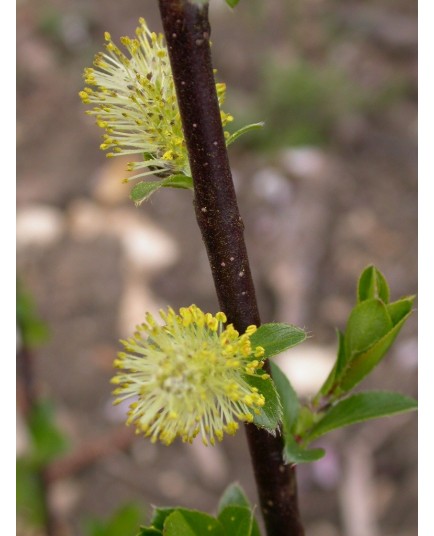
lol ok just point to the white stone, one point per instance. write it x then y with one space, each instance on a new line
305 162
307 366
39 226
147 247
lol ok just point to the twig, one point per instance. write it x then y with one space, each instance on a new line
187 32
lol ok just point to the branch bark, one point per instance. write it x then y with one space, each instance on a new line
187 31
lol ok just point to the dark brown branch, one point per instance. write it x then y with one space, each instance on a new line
187 32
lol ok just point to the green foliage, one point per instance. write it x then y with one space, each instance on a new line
234 497
232 3
183 522
124 522
270 414
275 338
359 408
29 494
302 103
372 284
144 189
47 441
288 398
33 331
372 327
235 518
233 137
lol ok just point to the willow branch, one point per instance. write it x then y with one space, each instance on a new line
187 33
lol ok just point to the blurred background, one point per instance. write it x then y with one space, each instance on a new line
327 187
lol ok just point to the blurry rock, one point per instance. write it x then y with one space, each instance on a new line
305 162
109 188
323 528
172 484
86 219
147 247
39 226
307 366
22 437
136 300
64 495
272 186
209 462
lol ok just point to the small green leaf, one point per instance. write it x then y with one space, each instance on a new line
233 496
236 520
47 441
399 309
232 3
149 531
184 522
368 322
159 516
178 181
288 397
293 453
33 331
363 362
337 367
244 130
372 284
306 419
123 522
361 407
270 414
143 190
275 338
29 494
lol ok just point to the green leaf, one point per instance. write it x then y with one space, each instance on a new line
235 496
33 331
29 494
399 309
362 407
288 397
337 367
275 338
149 531
143 190
368 322
236 520
123 522
178 181
372 284
47 441
159 516
270 414
244 130
362 363
232 3
293 453
184 522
